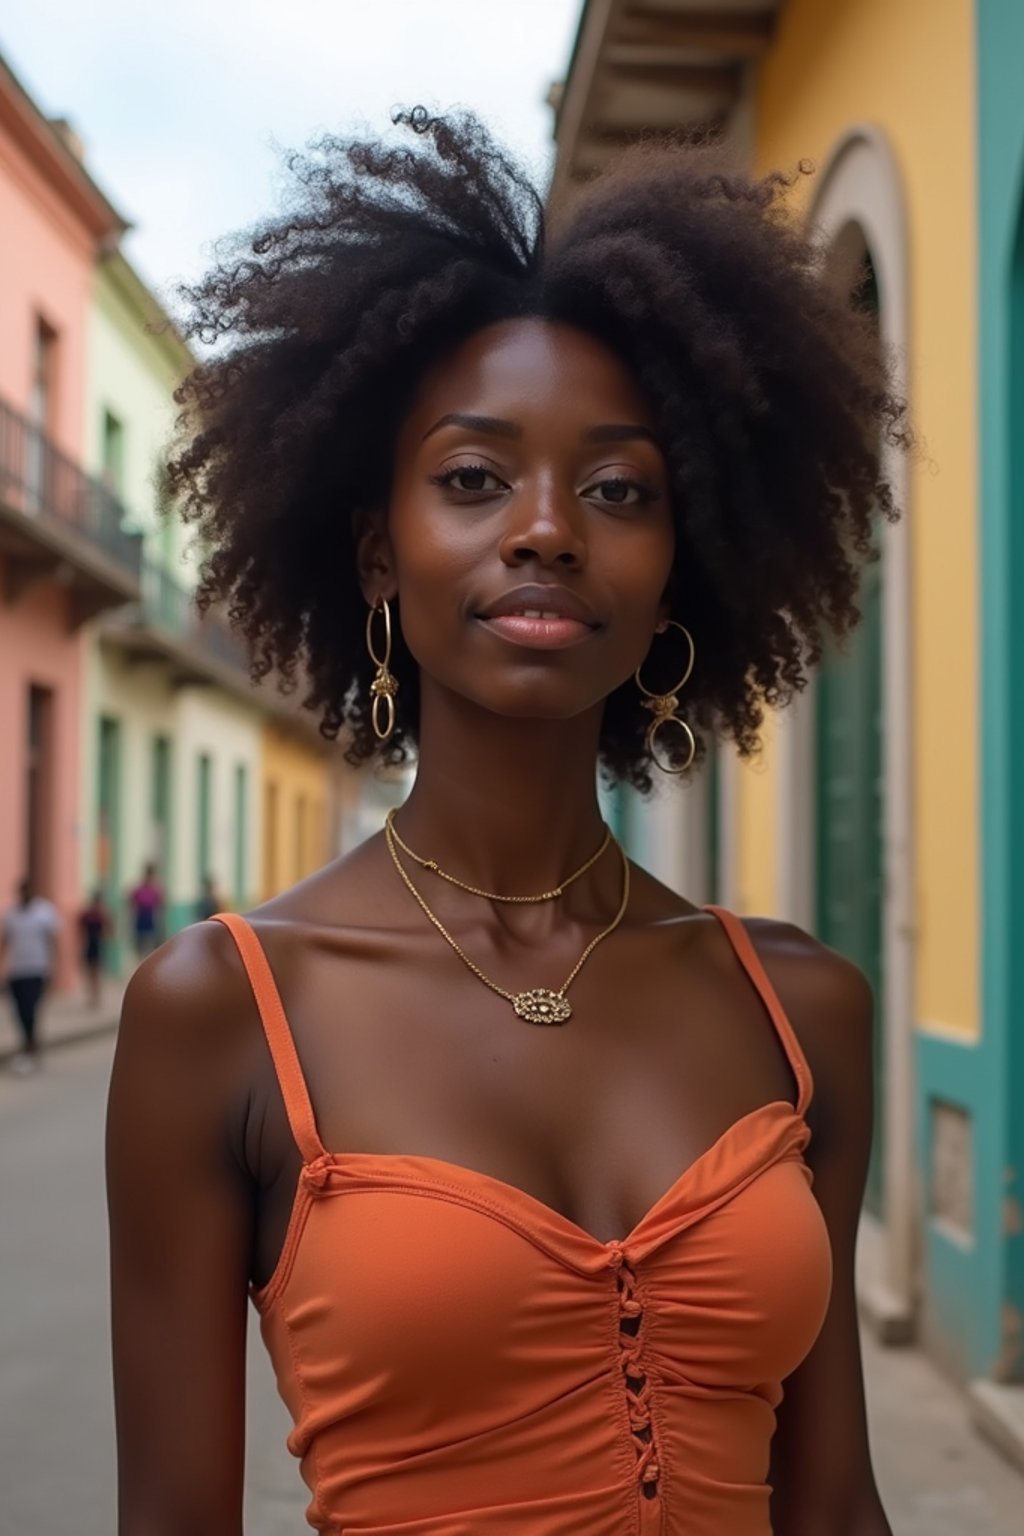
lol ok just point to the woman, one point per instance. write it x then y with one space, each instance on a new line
497 496
208 904
146 902
94 930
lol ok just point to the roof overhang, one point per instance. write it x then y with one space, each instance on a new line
644 67
47 150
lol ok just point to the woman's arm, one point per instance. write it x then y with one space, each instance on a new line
821 1474
180 1209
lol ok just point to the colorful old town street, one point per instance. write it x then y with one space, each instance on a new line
147 780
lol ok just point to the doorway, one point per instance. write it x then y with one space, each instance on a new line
39 789
108 831
850 788
848 740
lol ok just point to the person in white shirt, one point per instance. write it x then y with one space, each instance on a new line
28 943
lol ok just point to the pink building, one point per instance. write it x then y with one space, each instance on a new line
64 555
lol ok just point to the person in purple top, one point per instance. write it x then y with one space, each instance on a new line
146 902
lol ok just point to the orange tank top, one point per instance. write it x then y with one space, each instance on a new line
460 1359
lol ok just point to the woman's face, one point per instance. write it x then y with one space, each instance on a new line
528 482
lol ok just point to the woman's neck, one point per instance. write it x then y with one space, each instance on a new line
507 805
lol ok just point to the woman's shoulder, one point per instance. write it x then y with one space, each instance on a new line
829 1003
190 995
818 980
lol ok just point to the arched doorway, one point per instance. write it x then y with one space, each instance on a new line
849 771
845 811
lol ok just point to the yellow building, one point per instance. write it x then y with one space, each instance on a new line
863 818
299 834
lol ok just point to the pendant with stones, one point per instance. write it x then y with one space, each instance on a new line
540 1006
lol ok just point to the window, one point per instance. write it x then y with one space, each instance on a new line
39 789
270 832
204 796
42 402
300 837
113 454
160 808
241 817
41 411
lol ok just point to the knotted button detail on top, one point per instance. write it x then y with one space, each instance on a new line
631 1314
316 1173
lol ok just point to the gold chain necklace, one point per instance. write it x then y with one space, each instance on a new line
539 1005
474 890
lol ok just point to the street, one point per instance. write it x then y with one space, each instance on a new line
56 1420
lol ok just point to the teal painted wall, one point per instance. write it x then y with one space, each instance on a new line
999 1133
961 1324
1013 1225
974 1290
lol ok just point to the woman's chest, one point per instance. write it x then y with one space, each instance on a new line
595 1118
409 1265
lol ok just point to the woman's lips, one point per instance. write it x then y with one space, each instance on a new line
541 634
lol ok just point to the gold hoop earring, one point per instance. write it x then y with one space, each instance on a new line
385 684
663 706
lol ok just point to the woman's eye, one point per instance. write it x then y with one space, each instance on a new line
471 479
618 491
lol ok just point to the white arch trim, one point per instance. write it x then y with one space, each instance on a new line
861 187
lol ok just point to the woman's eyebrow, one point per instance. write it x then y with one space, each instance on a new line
616 433
495 426
489 424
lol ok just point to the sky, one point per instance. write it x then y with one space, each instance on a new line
186 109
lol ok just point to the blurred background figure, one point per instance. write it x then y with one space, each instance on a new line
94 927
28 943
146 903
209 900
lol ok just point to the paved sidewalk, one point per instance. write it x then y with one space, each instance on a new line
937 1476
64 1018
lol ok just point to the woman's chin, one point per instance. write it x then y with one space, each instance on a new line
542 706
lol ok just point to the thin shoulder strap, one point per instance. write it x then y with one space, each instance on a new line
279 1035
741 942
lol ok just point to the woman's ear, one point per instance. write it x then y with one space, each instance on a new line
374 559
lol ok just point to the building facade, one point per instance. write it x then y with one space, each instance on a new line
298 809
891 779
65 554
181 754
134 734
130 757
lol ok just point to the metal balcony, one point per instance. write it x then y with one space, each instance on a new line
199 651
166 626
59 524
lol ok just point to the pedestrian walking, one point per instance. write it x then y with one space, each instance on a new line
94 930
529 498
209 900
28 942
146 903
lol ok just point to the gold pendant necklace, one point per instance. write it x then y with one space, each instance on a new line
539 1005
474 890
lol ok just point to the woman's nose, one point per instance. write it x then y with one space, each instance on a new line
544 527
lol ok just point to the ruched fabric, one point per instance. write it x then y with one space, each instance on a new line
460 1359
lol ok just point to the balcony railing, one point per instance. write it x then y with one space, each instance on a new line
200 651
168 607
41 485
